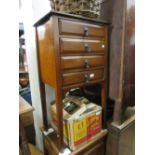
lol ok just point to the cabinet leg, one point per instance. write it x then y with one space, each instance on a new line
59 107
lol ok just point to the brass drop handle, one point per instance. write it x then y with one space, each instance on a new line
86 78
88 49
86 31
90 76
86 63
102 44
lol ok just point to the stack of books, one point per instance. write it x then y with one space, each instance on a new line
82 120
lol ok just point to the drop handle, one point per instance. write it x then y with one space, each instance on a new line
86 31
86 63
88 49
89 77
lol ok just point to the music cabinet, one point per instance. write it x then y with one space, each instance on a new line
72 52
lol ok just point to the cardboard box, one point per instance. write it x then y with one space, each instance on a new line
81 127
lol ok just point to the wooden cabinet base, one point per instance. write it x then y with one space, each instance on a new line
121 139
95 146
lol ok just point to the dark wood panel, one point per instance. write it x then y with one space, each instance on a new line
121 54
81 62
126 95
129 56
82 45
107 10
121 138
116 49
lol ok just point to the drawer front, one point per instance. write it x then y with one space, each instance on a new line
82 77
82 45
81 62
81 29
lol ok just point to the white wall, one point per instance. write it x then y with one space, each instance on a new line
31 11
40 8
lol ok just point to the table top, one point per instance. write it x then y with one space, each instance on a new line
24 106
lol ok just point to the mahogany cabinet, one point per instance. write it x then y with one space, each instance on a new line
72 52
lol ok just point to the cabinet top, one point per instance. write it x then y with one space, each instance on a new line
60 14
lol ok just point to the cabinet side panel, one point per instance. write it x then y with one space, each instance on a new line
129 55
46 53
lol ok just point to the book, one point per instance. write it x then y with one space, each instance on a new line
84 127
74 106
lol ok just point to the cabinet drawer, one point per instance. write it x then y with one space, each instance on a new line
81 28
81 62
82 77
82 45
